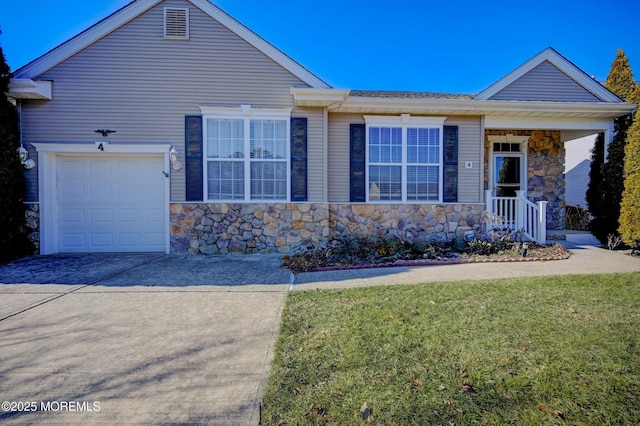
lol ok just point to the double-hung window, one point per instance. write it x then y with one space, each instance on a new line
247 154
404 158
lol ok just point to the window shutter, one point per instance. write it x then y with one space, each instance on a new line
298 159
357 152
450 166
193 156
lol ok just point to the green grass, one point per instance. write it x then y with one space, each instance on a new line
484 352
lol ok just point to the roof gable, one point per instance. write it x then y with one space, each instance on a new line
138 7
548 76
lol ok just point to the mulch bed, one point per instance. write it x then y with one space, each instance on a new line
539 254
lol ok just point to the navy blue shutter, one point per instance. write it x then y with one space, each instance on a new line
193 156
450 166
298 159
357 163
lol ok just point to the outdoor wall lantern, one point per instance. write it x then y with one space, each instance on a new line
173 157
27 162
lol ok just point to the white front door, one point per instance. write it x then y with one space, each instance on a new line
110 203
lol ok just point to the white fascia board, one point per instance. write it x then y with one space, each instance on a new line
244 110
571 70
25 88
85 38
403 120
109 148
547 123
485 107
305 96
261 44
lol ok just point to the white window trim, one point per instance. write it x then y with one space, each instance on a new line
246 113
523 162
405 121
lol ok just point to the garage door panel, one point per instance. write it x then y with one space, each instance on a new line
129 239
71 240
71 216
101 241
101 192
153 215
113 203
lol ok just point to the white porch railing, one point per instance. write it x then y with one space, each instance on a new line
519 214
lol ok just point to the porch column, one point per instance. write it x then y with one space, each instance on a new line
542 222
488 200
520 210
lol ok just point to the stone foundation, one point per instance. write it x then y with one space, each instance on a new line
220 228
406 221
32 221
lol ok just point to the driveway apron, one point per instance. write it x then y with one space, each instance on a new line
138 338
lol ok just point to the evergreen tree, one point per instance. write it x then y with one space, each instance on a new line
630 206
14 242
605 222
594 200
606 195
634 97
620 79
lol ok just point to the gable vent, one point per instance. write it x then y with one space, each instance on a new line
176 23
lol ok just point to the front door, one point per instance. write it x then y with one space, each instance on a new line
507 174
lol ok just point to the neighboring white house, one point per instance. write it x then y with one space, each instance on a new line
577 167
225 144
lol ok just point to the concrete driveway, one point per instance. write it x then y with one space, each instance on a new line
137 338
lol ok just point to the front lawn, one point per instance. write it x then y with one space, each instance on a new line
551 350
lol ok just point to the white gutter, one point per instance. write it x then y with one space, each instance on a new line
485 107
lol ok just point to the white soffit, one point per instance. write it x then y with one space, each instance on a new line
567 67
25 88
312 97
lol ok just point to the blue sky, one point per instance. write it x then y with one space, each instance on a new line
456 46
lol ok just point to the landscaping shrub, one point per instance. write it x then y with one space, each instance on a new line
576 219
364 251
630 206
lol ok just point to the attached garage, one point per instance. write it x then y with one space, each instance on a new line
104 202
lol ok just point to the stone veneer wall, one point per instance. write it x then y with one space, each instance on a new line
32 221
406 221
545 171
210 228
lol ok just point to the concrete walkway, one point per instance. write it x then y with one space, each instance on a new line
166 339
585 259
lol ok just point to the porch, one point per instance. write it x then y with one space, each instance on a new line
517 214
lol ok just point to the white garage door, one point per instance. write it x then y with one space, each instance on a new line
111 203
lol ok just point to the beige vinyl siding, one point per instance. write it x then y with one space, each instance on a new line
469 149
338 168
470 145
545 83
141 85
315 152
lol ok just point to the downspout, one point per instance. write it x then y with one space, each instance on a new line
483 190
325 153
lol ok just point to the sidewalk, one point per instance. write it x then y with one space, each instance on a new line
585 259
